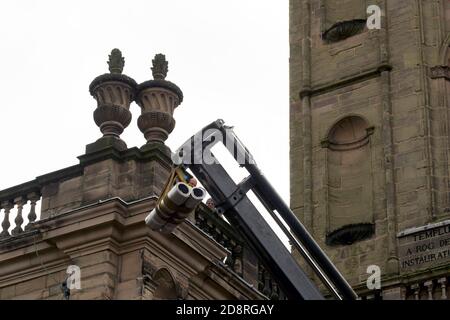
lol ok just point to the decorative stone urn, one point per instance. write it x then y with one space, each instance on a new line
158 99
114 93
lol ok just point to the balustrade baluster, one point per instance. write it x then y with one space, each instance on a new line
443 283
6 224
416 289
33 197
19 201
429 285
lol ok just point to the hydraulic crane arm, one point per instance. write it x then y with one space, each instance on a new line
231 200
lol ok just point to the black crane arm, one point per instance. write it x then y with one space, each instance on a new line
233 202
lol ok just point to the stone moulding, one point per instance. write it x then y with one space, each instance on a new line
156 125
111 77
321 88
350 234
116 117
413 230
335 146
161 84
344 29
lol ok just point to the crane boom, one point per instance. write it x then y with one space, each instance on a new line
233 202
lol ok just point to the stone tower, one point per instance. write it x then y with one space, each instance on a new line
369 139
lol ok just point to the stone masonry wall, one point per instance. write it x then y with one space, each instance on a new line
382 76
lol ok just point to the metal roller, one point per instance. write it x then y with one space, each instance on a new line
179 193
168 228
196 196
154 221
174 208
169 206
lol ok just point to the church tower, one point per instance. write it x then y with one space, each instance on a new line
369 139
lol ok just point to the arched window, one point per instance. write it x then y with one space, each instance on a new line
349 188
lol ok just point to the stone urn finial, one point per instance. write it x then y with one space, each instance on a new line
160 67
114 93
116 61
158 99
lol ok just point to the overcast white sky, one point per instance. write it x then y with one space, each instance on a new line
230 58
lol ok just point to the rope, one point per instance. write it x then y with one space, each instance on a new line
50 275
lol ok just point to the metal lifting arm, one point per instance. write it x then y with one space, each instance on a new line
232 201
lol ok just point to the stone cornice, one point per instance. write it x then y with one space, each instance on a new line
354 78
154 152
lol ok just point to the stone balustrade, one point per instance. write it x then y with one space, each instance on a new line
435 289
431 288
216 227
14 219
20 205
268 286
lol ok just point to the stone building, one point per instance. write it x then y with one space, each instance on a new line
370 137
91 218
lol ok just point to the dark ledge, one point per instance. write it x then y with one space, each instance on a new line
158 152
106 142
350 234
344 29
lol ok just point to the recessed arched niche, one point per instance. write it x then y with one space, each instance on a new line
165 286
343 18
349 181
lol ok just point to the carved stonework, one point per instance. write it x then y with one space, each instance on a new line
19 202
160 67
156 125
147 268
114 93
440 72
112 119
7 206
344 29
116 61
158 99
